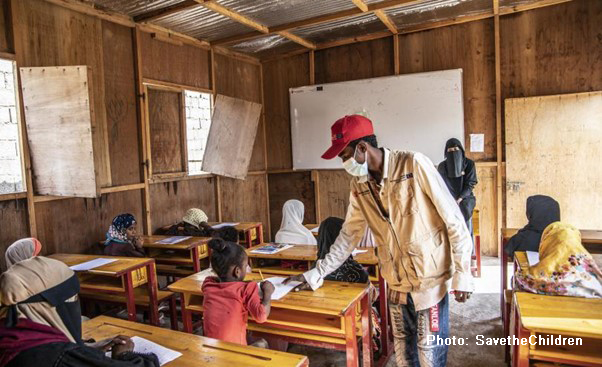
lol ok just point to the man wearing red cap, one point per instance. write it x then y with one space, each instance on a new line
423 242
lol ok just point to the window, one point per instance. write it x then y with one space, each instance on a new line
11 167
198 121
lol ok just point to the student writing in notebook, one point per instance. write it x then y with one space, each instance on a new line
227 299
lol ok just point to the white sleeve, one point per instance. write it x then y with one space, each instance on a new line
350 235
460 240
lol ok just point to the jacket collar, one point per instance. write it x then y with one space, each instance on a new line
364 179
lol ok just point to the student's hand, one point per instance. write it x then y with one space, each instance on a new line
267 288
298 278
138 242
462 296
459 200
122 345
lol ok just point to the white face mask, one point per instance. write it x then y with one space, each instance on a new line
354 168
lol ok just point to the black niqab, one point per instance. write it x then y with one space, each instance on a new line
455 161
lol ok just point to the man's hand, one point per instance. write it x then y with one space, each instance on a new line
459 200
267 288
123 344
298 278
462 296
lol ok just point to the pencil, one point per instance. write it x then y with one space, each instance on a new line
261 274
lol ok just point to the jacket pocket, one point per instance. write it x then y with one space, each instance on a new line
387 265
428 255
403 199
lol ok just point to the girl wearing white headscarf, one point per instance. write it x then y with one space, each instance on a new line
292 229
23 249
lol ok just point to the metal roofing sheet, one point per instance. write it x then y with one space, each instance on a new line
270 44
135 7
342 28
277 12
203 23
435 10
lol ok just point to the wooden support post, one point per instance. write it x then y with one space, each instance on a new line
312 67
498 126
144 137
265 157
218 190
396 53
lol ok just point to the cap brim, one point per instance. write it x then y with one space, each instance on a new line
334 150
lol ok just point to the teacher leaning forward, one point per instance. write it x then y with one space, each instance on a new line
422 238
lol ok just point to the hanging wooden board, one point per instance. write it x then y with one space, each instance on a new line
553 148
231 137
60 122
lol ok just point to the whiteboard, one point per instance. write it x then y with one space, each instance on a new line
418 112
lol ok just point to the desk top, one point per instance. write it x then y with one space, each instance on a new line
116 268
569 316
333 298
241 226
588 236
310 253
311 227
196 350
151 242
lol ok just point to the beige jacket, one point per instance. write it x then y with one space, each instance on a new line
423 242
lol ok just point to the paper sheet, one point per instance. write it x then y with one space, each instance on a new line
225 224
357 252
141 345
173 240
271 248
477 143
533 257
88 265
281 289
316 230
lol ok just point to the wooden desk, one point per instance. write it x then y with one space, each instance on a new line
324 318
196 350
535 315
309 253
173 259
118 277
251 232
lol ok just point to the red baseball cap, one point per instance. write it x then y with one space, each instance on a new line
345 130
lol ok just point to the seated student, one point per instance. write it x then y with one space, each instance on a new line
194 223
292 229
541 211
123 239
228 234
40 322
227 300
22 249
565 267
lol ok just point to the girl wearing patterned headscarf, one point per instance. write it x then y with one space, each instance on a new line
194 223
122 237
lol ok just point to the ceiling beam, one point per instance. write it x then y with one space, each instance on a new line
380 14
261 28
158 13
383 5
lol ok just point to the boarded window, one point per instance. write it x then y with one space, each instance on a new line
11 168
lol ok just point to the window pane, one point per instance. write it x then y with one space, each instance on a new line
198 122
11 173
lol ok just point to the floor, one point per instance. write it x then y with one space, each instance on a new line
479 316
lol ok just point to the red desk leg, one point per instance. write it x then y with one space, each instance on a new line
186 315
520 356
350 337
366 331
173 313
478 253
196 262
260 234
152 293
130 300
248 239
384 316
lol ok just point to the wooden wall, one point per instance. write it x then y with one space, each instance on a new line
550 50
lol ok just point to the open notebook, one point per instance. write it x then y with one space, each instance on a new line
145 346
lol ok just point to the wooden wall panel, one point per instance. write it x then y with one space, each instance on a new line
6 42
362 60
50 35
469 46
486 195
166 129
333 193
120 99
13 218
245 200
186 64
170 200
287 186
240 79
76 225
552 50
278 76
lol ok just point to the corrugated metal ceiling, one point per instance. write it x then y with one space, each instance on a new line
343 28
435 10
134 7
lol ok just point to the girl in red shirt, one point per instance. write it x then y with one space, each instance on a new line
227 300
